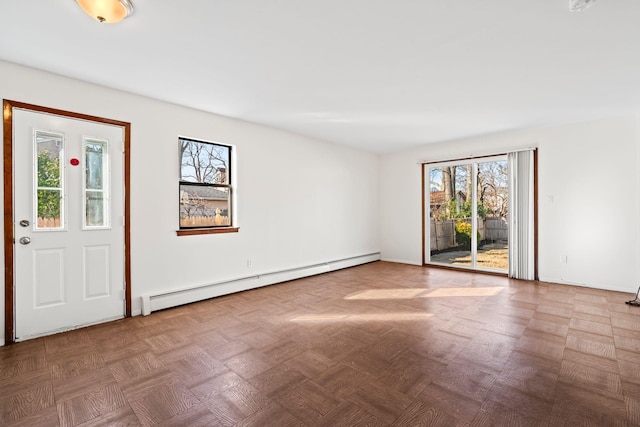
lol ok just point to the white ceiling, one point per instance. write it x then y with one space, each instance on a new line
381 75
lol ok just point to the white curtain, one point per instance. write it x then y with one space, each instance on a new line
521 215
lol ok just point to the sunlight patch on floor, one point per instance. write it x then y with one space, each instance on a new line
403 293
374 294
381 317
464 292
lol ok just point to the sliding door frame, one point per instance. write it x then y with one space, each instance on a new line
474 159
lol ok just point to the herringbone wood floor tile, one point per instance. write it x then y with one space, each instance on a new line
376 345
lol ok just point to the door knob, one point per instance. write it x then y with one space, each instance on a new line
25 240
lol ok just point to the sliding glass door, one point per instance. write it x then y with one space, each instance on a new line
466 204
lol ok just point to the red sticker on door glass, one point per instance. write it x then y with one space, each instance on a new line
74 162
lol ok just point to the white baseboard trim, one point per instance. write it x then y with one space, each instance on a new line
559 281
402 261
159 300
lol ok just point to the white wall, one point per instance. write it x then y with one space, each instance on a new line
300 201
588 199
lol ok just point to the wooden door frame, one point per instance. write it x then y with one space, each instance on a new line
9 243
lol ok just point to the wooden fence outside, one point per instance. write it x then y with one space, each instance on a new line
443 232
48 222
204 221
192 221
497 228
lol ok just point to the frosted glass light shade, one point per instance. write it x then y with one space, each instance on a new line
580 5
109 11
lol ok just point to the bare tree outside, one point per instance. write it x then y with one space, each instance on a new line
203 162
493 182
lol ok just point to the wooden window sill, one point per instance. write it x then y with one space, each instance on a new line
196 231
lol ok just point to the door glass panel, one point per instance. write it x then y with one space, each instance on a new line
452 229
49 201
493 215
94 209
96 213
449 215
94 155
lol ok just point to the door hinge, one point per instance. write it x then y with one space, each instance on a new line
123 295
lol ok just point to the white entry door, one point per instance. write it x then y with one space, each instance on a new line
68 223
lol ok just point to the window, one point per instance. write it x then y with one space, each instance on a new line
206 194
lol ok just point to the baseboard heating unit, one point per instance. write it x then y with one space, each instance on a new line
154 301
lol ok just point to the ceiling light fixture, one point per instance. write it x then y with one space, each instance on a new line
109 11
580 5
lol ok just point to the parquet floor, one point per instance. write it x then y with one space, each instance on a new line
379 345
